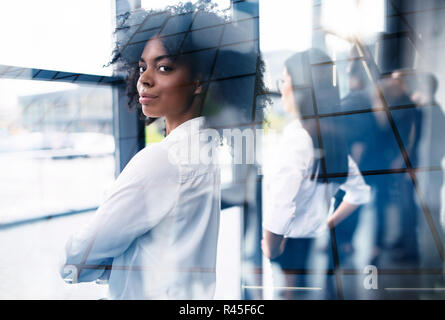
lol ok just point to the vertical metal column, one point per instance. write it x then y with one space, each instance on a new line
129 133
247 175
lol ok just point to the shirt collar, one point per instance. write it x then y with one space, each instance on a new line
188 127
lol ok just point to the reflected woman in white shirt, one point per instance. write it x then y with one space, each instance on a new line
159 225
312 162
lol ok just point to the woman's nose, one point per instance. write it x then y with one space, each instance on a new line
146 78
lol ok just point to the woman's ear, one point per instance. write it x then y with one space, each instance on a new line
198 87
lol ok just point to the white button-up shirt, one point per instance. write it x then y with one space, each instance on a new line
294 205
159 224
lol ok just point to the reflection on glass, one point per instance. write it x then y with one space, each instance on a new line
297 190
56 148
383 60
390 111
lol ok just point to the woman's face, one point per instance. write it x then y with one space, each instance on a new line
287 93
165 84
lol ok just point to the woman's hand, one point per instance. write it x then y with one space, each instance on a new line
331 223
342 212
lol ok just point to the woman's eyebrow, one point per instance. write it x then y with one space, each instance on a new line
165 56
159 58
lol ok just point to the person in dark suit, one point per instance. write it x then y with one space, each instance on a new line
361 148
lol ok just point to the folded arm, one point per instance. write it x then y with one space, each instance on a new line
143 194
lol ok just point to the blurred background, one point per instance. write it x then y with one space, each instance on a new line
66 133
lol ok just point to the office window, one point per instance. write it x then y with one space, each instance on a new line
73 36
364 93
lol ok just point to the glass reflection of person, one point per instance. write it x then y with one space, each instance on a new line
361 145
296 201
433 146
396 191
409 126
160 223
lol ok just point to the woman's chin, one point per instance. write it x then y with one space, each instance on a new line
149 112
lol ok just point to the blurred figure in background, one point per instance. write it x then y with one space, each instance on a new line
361 144
297 192
396 191
432 144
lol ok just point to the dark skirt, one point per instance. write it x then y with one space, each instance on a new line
296 254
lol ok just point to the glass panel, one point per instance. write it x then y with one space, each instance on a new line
356 117
348 138
31 260
56 148
75 36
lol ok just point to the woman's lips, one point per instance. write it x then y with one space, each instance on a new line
147 99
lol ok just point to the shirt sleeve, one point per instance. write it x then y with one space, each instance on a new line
355 187
143 194
283 182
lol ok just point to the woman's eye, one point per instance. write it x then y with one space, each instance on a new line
142 69
164 68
